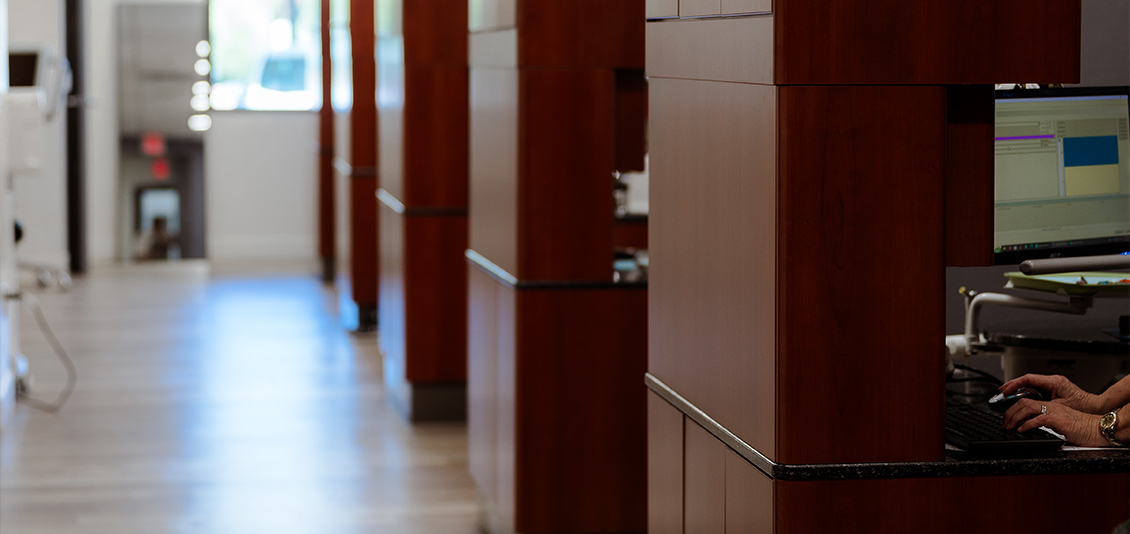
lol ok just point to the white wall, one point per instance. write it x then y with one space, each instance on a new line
341 189
102 124
41 201
8 277
260 170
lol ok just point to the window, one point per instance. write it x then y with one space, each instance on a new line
265 54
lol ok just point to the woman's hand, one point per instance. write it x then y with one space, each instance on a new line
1079 428
1062 392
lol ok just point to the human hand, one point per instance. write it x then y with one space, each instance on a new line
1079 428
1061 390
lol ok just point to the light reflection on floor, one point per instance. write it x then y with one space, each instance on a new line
222 404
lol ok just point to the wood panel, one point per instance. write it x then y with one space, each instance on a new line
861 279
494 166
487 15
364 276
981 505
423 123
613 34
490 392
749 497
631 120
436 126
581 411
363 130
435 295
630 233
698 8
327 216
664 467
661 8
507 397
364 253
493 49
970 117
730 49
974 42
731 7
712 225
704 481
424 117
435 32
392 295
482 380
565 160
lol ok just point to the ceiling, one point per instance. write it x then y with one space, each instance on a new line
156 58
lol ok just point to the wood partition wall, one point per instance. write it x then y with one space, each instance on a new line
362 166
815 166
327 239
557 352
423 113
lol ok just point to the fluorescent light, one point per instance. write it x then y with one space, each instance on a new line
199 123
280 34
203 49
200 103
201 88
203 67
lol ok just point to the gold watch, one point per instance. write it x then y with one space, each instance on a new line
1106 424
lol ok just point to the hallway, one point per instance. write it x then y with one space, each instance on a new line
220 403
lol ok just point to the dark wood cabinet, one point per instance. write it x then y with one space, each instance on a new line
363 176
815 166
557 351
424 148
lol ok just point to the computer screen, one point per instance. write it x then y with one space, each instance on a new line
1062 167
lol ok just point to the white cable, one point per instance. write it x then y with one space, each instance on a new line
72 374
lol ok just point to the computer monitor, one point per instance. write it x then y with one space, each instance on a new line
1062 161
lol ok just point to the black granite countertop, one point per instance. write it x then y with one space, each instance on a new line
955 463
965 464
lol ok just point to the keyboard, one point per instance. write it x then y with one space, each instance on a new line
977 429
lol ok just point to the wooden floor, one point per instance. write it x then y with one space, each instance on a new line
220 404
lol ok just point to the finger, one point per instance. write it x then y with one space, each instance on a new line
1036 422
1055 385
1016 413
1012 385
1029 380
1021 411
1044 382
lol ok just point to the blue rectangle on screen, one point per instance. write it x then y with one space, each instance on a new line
1099 150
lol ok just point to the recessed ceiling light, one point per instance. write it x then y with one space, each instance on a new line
200 103
203 67
199 123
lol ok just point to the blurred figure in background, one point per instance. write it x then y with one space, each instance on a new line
156 245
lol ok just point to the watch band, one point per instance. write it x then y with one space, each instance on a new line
1107 424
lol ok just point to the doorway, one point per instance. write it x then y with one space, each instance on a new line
162 111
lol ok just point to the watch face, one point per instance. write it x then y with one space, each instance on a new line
1107 421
